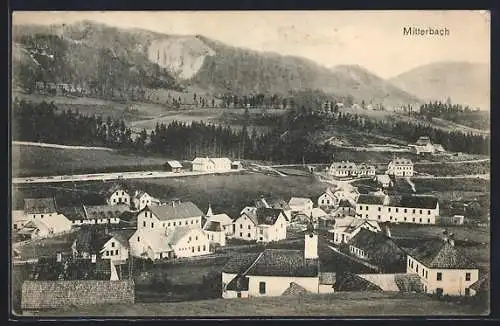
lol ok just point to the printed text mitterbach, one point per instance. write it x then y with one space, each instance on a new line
428 31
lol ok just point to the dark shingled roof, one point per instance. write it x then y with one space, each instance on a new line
239 263
175 211
73 212
345 203
427 202
353 282
283 262
437 253
122 236
379 248
268 216
212 226
105 211
294 290
39 205
90 240
370 199
482 284
239 283
40 295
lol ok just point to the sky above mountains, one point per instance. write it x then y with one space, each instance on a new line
372 39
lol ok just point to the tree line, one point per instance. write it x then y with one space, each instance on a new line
289 141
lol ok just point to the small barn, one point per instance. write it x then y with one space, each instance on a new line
173 166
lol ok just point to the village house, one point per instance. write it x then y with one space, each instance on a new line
301 205
345 208
424 146
182 241
328 199
169 216
215 232
400 167
384 181
116 194
277 272
347 227
225 221
443 269
43 227
378 250
19 219
206 164
264 225
365 170
173 166
276 203
418 209
141 199
117 248
342 169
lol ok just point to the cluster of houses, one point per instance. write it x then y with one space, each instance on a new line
398 167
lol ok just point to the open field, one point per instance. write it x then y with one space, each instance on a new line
43 161
230 193
336 304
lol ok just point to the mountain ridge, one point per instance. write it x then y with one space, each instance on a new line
136 55
466 83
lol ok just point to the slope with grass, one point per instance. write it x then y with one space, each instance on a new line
334 305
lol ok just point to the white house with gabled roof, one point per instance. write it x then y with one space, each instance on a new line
400 167
264 225
443 268
211 164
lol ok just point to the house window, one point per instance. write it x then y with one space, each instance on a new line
426 274
420 211
249 227
238 294
41 216
413 211
439 291
420 220
262 287
192 249
467 276
192 221
107 253
249 235
360 208
144 223
241 234
413 219
112 244
196 238
152 225
186 222
174 223
204 248
439 276
409 263
417 268
366 215
405 210
189 238
404 218
163 224
366 207
428 220
168 224
138 239
428 212
322 201
114 200
241 226
389 209
380 209
198 248
116 252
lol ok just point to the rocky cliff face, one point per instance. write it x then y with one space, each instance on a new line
182 56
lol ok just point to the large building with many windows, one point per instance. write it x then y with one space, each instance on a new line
400 167
405 209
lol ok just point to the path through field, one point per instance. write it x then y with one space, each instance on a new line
27 143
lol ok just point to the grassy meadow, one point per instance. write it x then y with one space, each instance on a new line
328 305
